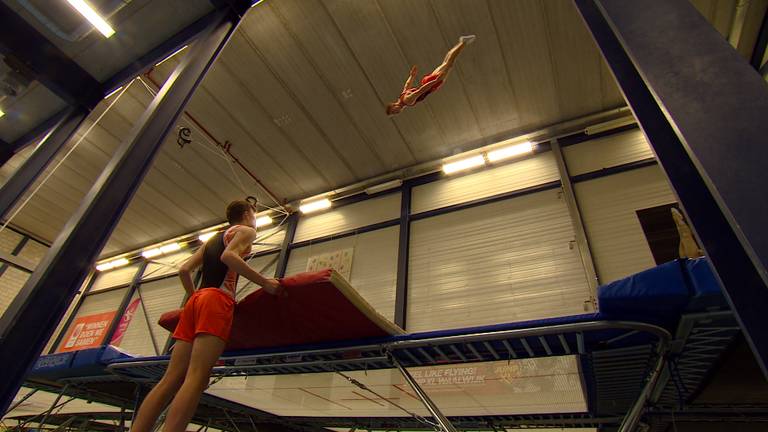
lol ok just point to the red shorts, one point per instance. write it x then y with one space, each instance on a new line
209 310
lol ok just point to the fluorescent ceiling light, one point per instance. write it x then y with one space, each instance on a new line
104 267
120 262
314 206
150 253
112 264
508 152
263 221
2 113
207 236
92 16
171 247
172 54
384 186
463 164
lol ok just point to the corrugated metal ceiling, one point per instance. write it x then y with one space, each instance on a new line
300 91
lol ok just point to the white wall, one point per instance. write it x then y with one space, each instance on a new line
608 207
167 265
348 217
503 262
14 279
266 265
374 265
159 296
536 170
115 277
606 152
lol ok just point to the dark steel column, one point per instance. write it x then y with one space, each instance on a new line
32 317
702 108
401 290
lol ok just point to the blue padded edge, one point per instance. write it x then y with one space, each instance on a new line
657 295
707 292
88 362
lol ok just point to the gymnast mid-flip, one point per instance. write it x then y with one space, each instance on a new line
410 96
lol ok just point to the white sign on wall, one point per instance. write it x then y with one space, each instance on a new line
340 260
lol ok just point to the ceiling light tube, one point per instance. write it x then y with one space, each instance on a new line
313 206
104 266
464 164
171 247
91 15
264 221
151 253
510 151
206 236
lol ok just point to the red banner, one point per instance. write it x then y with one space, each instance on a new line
87 332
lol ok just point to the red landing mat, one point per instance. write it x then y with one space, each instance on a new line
319 307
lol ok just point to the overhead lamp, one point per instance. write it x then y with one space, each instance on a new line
384 186
2 113
464 164
93 17
511 151
207 236
113 264
264 221
171 247
313 206
151 253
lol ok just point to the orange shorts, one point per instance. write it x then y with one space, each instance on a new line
209 310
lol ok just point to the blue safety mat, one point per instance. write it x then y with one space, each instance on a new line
72 364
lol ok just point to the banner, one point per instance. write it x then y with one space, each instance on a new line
87 332
124 322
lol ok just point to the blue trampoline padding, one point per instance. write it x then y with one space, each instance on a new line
83 363
707 293
656 294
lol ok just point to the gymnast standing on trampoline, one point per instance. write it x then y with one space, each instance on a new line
205 322
410 96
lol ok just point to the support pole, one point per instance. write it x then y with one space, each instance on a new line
401 290
578 224
441 419
285 249
45 297
702 108
125 303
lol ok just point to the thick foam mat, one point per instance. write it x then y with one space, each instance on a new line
319 307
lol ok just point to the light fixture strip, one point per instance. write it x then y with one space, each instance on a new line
464 164
315 205
91 15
